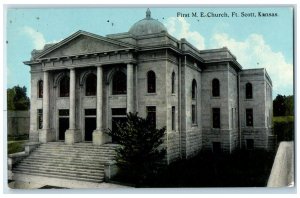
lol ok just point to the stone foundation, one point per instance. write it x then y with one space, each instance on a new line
72 136
100 138
46 135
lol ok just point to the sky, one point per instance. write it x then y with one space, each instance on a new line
257 42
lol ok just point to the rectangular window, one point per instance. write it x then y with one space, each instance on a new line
216 118
194 114
89 112
151 115
40 118
63 112
173 118
118 111
249 117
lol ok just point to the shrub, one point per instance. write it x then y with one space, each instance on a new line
139 153
284 128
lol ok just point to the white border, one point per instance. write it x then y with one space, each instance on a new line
132 3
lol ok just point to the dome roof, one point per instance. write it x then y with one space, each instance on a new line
147 25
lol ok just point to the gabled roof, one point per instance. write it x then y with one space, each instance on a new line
117 43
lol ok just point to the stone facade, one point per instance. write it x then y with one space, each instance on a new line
180 92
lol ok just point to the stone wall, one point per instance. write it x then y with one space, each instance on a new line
191 133
18 123
261 105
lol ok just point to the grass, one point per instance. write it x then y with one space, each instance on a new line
283 119
16 143
15 146
240 169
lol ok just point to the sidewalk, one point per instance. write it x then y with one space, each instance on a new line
24 181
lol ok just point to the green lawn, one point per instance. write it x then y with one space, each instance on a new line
15 146
283 119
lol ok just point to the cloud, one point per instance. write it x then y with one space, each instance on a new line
37 37
180 28
254 52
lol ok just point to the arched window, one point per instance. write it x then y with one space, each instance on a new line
40 89
64 87
194 89
151 82
173 82
119 84
215 87
248 91
91 85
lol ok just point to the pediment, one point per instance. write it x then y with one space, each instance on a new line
83 43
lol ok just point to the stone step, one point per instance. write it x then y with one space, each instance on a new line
81 161
62 173
60 163
70 158
99 180
48 145
76 152
61 169
98 152
65 165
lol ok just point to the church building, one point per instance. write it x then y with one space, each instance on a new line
83 84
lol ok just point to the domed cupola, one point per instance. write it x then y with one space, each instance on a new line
147 25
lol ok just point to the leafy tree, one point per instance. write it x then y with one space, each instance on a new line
283 105
289 103
17 98
140 150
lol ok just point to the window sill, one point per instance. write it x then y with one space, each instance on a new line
249 99
215 97
90 96
173 94
150 94
194 125
62 97
117 95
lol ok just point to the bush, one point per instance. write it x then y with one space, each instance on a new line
284 128
139 154
15 147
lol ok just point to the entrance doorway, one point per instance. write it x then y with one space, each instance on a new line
63 117
118 115
90 124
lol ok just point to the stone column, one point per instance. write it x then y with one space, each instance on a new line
99 137
72 135
45 134
72 99
130 101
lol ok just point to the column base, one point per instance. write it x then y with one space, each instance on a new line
46 135
72 136
100 137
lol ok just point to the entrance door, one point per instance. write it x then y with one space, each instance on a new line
63 126
90 126
63 123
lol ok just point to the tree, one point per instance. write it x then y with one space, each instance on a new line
140 150
289 103
17 98
283 105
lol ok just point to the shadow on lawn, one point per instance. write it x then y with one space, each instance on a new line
240 169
